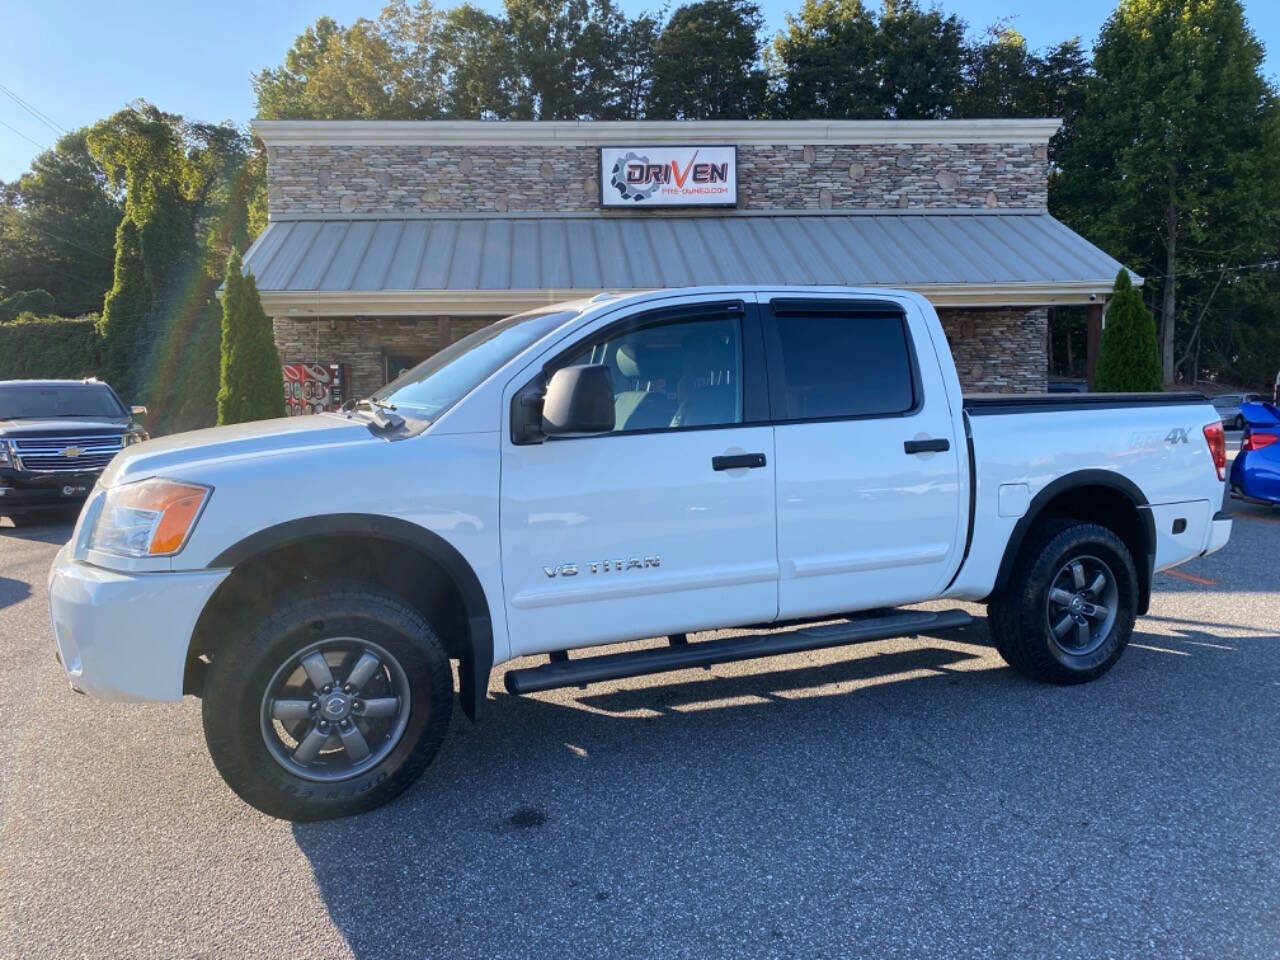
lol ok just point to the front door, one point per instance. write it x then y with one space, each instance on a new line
868 466
649 529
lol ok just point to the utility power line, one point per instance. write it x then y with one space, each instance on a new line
23 135
38 114
1240 268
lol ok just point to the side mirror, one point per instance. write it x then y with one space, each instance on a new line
138 413
578 402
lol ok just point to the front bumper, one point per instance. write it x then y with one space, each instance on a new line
22 491
122 636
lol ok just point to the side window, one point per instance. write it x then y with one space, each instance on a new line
844 365
673 373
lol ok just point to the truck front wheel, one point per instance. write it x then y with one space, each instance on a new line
333 705
1068 612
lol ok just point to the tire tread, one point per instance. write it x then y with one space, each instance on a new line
236 660
1014 617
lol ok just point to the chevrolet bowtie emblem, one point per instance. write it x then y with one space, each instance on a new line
72 451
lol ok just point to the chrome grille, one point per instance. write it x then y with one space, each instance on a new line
49 454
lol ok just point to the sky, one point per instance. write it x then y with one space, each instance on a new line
76 62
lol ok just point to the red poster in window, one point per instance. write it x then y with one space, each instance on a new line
313 387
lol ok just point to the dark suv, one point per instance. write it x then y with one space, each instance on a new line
56 437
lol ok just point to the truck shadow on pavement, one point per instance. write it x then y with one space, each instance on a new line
13 591
726 813
58 533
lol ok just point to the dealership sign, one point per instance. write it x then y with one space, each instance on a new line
669 176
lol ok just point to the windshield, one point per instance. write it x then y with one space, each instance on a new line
49 402
445 378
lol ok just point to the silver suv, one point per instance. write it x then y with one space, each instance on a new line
1228 407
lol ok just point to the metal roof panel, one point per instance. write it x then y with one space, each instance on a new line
557 252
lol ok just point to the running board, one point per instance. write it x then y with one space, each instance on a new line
635 663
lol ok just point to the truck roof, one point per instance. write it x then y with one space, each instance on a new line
86 381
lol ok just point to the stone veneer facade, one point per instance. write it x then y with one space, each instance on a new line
999 351
399 179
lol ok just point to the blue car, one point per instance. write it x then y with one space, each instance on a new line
1255 475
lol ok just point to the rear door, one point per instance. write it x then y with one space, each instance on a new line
868 466
665 524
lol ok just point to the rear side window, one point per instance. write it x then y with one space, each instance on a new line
845 365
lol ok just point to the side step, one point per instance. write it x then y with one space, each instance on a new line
635 663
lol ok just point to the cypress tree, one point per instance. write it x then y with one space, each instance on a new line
1129 359
250 386
125 317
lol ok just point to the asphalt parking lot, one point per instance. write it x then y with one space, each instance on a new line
905 798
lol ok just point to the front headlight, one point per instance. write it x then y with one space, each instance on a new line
151 518
133 435
6 459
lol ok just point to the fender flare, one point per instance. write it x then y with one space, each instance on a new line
475 668
1086 478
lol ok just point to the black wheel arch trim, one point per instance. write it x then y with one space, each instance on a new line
1086 478
474 669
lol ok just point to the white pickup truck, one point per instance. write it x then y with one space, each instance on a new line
609 470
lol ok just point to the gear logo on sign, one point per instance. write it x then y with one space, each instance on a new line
631 191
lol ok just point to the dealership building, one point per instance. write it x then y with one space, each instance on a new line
389 240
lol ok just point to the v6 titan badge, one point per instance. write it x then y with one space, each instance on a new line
603 566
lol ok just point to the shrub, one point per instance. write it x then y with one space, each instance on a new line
125 316
250 386
37 348
1129 358
25 301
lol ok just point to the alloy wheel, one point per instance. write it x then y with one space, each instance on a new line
335 709
1080 609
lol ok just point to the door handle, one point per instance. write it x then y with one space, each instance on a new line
936 445
738 461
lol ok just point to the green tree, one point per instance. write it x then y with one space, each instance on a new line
250 384
126 313
1167 166
706 63
636 48
1128 360
188 189
374 69
921 60
1001 77
826 63
57 226
837 59
564 55
477 65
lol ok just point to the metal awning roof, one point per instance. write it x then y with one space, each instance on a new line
489 263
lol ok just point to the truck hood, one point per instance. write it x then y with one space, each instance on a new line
25 428
177 453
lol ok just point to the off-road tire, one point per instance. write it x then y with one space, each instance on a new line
244 666
1018 618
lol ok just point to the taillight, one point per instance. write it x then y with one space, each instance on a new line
1217 447
1256 441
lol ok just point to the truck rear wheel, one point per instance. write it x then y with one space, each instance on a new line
1068 612
332 706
